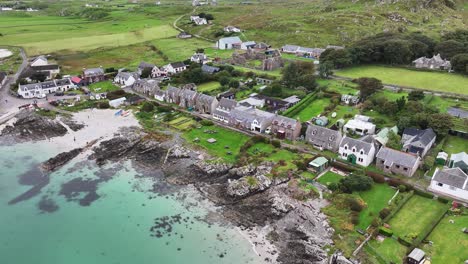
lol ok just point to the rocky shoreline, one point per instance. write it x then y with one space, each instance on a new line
280 228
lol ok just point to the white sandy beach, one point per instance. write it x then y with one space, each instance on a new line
260 244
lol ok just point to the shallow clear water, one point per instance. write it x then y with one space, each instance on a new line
115 228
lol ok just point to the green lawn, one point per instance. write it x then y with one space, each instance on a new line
390 249
208 87
450 244
224 137
329 178
376 199
455 145
11 64
436 81
415 215
106 86
313 109
339 86
269 153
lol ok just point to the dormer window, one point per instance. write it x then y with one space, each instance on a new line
362 152
346 147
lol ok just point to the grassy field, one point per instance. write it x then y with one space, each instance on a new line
390 249
376 199
208 87
449 243
435 81
415 215
313 109
268 152
102 87
11 64
455 145
224 137
329 178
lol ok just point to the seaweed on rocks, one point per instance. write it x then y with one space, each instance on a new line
47 205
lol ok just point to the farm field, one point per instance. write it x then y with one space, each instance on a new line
329 178
376 199
449 242
102 87
415 215
224 137
455 145
208 87
435 81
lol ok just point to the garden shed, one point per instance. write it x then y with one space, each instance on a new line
319 164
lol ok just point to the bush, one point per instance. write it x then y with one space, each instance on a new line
376 222
376 177
163 109
333 186
402 188
443 200
103 105
385 231
276 143
423 194
355 183
205 122
355 204
355 218
384 213
404 241
258 139
147 107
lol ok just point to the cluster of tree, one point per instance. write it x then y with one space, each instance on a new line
400 48
411 112
299 74
93 13
353 183
206 16
368 86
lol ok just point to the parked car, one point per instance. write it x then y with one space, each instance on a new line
59 94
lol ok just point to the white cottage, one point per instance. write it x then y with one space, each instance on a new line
357 151
452 182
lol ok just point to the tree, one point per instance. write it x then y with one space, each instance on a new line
234 83
389 107
415 95
338 58
325 69
401 102
394 140
147 107
460 63
209 17
299 73
275 90
38 76
146 72
355 183
397 51
440 123
368 86
450 48
200 50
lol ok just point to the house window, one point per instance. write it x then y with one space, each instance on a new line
387 167
382 161
397 166
354 150
362 152
346 147
440 184
405 169
361 159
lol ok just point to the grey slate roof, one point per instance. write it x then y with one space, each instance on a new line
322 133
209 69
231 40
48 67
93 71
284 121
205 99
356 143
417 254
247 114
126 75
290 48
421 137
462 156
227 104
454 177
457 112
391 156
178 64
144 65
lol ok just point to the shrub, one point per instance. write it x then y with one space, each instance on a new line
355 183
442 200
276 143
376 177
251 181
385 231
384 213
376 222
147 107
258 139
333 186
355 204
402 188
355 218
423 194
404 241
163 109
205 122
103 105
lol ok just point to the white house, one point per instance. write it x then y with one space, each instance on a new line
158 72
160 95
248 45
200 58
175 67
40 90
231 29
39 61
125 78
249 118
226 43
452 182
357 151
223 109
359 126
252 101
117 102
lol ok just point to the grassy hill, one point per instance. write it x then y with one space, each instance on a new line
322 22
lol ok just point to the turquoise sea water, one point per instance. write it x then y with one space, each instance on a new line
115 228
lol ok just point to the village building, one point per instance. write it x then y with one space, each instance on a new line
175 67
319 164
144 65
93 75
39 61
209 69
441 158
417 256
160 95
146 86
418 141
459 160
357 151
285 128
125 78
252 119
350 99
248 45
383 136
292 100
41 65
190 86
223 109
227 43
117 102
40 90
335 47
290 49
157 72
184 35
434 63
173 95
452 182
187 98
263 81
198 20
359 126
199 58
206 104
397 162
231 29
230 94
323 138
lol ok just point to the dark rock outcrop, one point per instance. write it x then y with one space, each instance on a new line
60 160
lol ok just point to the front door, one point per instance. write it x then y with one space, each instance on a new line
352 158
